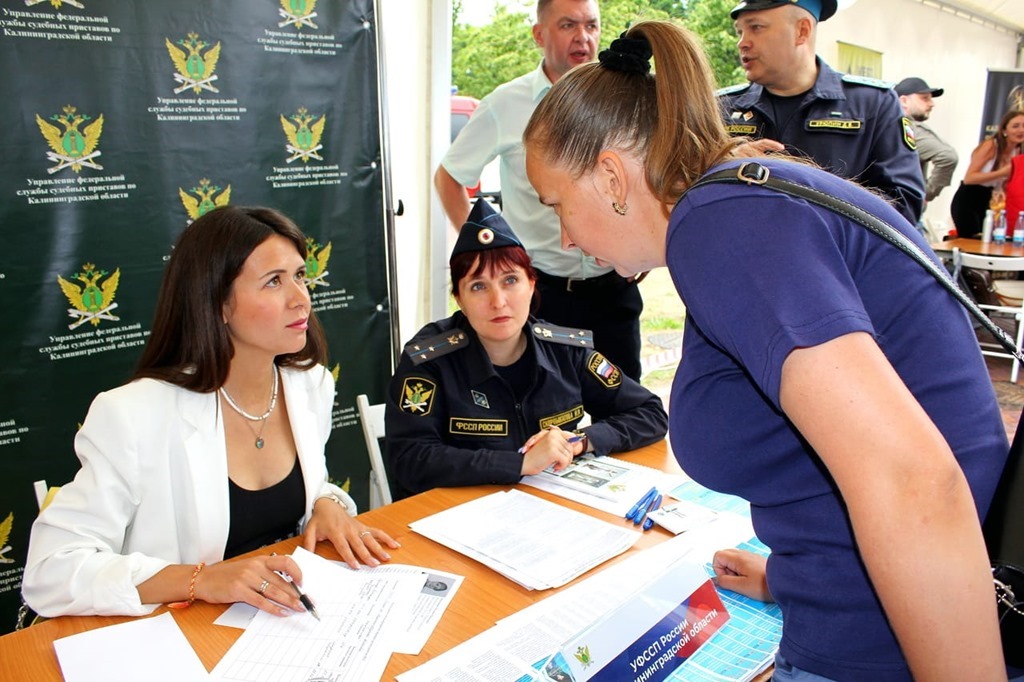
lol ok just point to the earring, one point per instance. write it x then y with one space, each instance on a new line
620 208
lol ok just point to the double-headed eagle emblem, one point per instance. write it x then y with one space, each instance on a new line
72 148
94 300
195 68
206 200
297 13
303 138
316 263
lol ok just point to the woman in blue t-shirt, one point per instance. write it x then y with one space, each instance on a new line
823 373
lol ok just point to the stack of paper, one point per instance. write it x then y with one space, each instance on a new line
518 647
363 614
536 543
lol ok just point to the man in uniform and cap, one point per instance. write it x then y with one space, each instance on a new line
491 393
795 103
575 290
917 100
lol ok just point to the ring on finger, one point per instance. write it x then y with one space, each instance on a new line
364 533
263 586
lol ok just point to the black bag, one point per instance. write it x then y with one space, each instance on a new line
1004 525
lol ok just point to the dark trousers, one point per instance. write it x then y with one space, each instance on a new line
607 305
968 209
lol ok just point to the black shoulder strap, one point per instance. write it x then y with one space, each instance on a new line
753 173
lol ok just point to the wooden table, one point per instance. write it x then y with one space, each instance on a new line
945 249
484 597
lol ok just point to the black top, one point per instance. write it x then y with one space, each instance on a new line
263 517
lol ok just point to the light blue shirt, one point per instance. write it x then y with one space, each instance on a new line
496 130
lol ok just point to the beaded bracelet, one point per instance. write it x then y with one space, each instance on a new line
191 588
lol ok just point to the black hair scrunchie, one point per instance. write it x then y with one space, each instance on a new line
628 55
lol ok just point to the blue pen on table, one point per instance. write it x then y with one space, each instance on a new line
641 513
574 439
642 502
649 522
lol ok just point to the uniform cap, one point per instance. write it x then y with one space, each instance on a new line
819 9
484 229
914 85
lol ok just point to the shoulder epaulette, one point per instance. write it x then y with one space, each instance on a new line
421 350
570 336
864 80
731 90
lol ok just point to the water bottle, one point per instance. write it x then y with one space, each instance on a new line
1018 230
986 227
999 228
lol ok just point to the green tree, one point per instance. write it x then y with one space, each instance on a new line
710 20
484 57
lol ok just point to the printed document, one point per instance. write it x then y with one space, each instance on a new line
363 615
536 543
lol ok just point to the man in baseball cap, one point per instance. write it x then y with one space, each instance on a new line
938 159
796 104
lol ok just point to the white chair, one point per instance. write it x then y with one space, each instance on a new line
1003 289
372 419
44 493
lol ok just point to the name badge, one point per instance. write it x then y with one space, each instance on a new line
463 426
740 129
842 125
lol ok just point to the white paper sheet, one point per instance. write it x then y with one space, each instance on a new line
363 615
537 543
153 649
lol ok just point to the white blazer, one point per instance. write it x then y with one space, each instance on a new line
153 491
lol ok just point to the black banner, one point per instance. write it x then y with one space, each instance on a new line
1004 92
123 122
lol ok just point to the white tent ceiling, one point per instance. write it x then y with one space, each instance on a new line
1007 12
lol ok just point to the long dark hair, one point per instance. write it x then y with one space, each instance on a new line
1002 146
189 345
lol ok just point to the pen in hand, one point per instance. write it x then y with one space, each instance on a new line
303 597
523 450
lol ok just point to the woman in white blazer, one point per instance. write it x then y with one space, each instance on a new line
215 448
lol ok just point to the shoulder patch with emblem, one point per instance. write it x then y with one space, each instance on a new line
731 90
417 396
607 373
909 136
864 80
435 346
570 336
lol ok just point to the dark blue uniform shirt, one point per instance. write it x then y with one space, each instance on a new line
851 126
451 420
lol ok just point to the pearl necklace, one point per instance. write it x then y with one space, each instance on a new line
262 418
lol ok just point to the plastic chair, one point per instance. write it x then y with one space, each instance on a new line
1015 311
372 419
44 493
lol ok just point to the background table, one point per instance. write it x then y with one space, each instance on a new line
484 597
945 249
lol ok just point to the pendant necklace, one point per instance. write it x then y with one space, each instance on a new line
252 418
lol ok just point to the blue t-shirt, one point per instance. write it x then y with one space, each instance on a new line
763 273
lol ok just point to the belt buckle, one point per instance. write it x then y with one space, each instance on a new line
570 280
